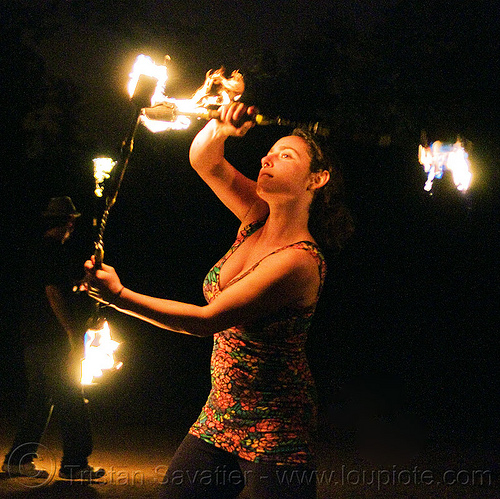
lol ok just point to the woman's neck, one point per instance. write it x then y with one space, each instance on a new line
286 223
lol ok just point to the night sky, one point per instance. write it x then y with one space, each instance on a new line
408 318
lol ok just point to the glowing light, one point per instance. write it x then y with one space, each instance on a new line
102 169
155 126
167 113
144 65
439 157
99 354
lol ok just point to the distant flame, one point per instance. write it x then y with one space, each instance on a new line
439 157
99 354
102 169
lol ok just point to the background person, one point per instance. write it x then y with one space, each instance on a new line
53 349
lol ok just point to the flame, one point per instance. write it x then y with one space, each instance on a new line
218 90
102 169
440 157
176 114
155 126
99 354
144 65
458 163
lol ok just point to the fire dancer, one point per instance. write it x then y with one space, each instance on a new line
53 351
258 421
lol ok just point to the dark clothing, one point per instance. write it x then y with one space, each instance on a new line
47 346
200 470
48 263
50 386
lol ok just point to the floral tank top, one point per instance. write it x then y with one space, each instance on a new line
262 404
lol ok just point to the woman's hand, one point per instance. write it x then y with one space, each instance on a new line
236 118
102 284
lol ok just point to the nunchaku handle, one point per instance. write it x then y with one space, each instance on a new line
98 256
98 259
168 111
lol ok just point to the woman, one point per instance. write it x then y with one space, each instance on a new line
254 432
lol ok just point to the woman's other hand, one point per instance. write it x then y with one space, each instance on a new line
102 284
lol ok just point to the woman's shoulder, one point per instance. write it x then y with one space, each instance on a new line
305 260
302 258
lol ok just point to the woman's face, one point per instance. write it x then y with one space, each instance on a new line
286 168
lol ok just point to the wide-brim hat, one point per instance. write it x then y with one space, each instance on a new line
61 207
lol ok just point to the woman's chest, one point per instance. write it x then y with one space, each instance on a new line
237 262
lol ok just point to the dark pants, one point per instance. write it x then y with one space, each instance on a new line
202 471
51 386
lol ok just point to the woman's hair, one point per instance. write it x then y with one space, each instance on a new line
330 221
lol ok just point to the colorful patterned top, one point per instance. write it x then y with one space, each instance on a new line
262 404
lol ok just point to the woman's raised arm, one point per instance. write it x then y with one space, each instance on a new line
206 155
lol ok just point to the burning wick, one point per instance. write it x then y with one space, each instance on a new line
102 169
439 157
144 66
99 354
176 114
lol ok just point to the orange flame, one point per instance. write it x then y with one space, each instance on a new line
167 113
144 65
218 90
99 354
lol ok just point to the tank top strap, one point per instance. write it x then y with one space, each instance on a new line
308 246
252 227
